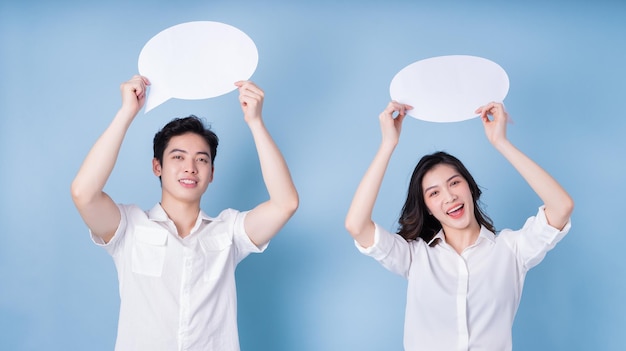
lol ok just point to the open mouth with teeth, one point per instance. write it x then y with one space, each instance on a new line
187 182
456 211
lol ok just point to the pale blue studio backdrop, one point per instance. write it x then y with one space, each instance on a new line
325 67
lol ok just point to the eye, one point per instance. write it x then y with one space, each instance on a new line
177 157
433 193
203 159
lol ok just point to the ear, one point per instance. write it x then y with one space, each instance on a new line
156 167
211 175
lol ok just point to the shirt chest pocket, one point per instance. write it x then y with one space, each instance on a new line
148 253
216 249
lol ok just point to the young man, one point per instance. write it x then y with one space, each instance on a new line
175 264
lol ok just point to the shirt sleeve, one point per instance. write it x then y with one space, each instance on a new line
242 241
535 239
390 250
112 245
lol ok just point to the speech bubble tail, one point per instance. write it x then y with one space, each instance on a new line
154 98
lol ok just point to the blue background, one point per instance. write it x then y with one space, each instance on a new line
325 67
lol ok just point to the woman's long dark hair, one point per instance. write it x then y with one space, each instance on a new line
415 221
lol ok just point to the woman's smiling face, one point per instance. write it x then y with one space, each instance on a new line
448 198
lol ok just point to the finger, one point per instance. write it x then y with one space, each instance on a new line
246 85
145 80
247 99
400 110
389 109
250 93
244 82
139 80
484 116
400 118
393 106
498 111
134 88
140 88
400 106
250 96
484 111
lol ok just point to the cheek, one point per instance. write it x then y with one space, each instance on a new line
170 171
430 205
468 194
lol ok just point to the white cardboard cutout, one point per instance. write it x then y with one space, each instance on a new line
449 88
196 60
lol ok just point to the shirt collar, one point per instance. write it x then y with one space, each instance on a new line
485 234
157 214
439 237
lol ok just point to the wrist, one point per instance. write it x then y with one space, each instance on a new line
127 112
254 123
388 145
501 144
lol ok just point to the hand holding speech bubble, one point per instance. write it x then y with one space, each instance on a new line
449 88
196 60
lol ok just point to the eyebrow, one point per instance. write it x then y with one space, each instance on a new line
434 186
185 152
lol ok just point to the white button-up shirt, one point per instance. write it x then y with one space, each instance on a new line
177 294
467 301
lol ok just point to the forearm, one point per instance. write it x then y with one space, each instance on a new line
276 176
100 161
266 219
558 203
97 209
359 221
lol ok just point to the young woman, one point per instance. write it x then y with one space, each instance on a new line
464 282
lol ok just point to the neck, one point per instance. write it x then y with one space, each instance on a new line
460 239
184 215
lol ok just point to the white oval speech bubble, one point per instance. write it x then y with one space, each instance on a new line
196 60
449 88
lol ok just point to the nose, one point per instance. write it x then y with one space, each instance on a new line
191 167
450 197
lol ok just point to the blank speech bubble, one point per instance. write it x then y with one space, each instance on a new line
196 60
449 88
